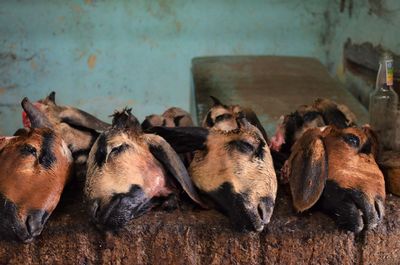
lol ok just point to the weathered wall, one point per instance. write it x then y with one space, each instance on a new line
101 55
363 21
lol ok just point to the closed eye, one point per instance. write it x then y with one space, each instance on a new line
241 146
222 117
119 149
352 140
28 149
309 116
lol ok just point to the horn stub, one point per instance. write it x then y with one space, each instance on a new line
52 97
36 117
216 101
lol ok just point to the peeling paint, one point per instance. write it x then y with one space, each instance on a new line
34 66
178 26
77 8
91 62
144 47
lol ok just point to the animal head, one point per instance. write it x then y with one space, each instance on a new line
224 117
221 116
336 168
323 112
34 169
129 171
233 169
172 117
78 129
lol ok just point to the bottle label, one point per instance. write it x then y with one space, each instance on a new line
389 72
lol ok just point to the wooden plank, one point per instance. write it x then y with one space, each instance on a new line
271 85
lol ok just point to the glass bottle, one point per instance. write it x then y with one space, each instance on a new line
383 102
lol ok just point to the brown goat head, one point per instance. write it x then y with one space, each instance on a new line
232 169
172 117
34 169
129 171
323 112
336 168
78 128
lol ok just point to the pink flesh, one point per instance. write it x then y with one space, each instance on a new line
25 120
278 139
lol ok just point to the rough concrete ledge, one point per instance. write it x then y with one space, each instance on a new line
206 237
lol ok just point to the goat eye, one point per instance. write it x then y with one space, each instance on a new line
119 149
28 149
352 140
223 117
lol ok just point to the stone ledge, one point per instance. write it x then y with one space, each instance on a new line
206 237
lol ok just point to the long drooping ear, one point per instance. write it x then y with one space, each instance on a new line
164 153
251 116
216 101
36 117
308 170
80 118
182 139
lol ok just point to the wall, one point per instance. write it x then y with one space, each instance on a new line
375 22
102 55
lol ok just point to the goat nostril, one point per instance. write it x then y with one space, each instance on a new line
380 210
262 212
95 209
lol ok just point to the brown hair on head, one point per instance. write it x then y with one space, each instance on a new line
35 169
124 119
337 168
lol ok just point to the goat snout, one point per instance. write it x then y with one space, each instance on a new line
351 209
265 209
35 222
120 210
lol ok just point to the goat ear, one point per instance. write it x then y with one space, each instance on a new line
178 119
36 117
331 114
251 116
21 132
79 118
308 170
164 153
182 139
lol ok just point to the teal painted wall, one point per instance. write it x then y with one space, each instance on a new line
103 55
